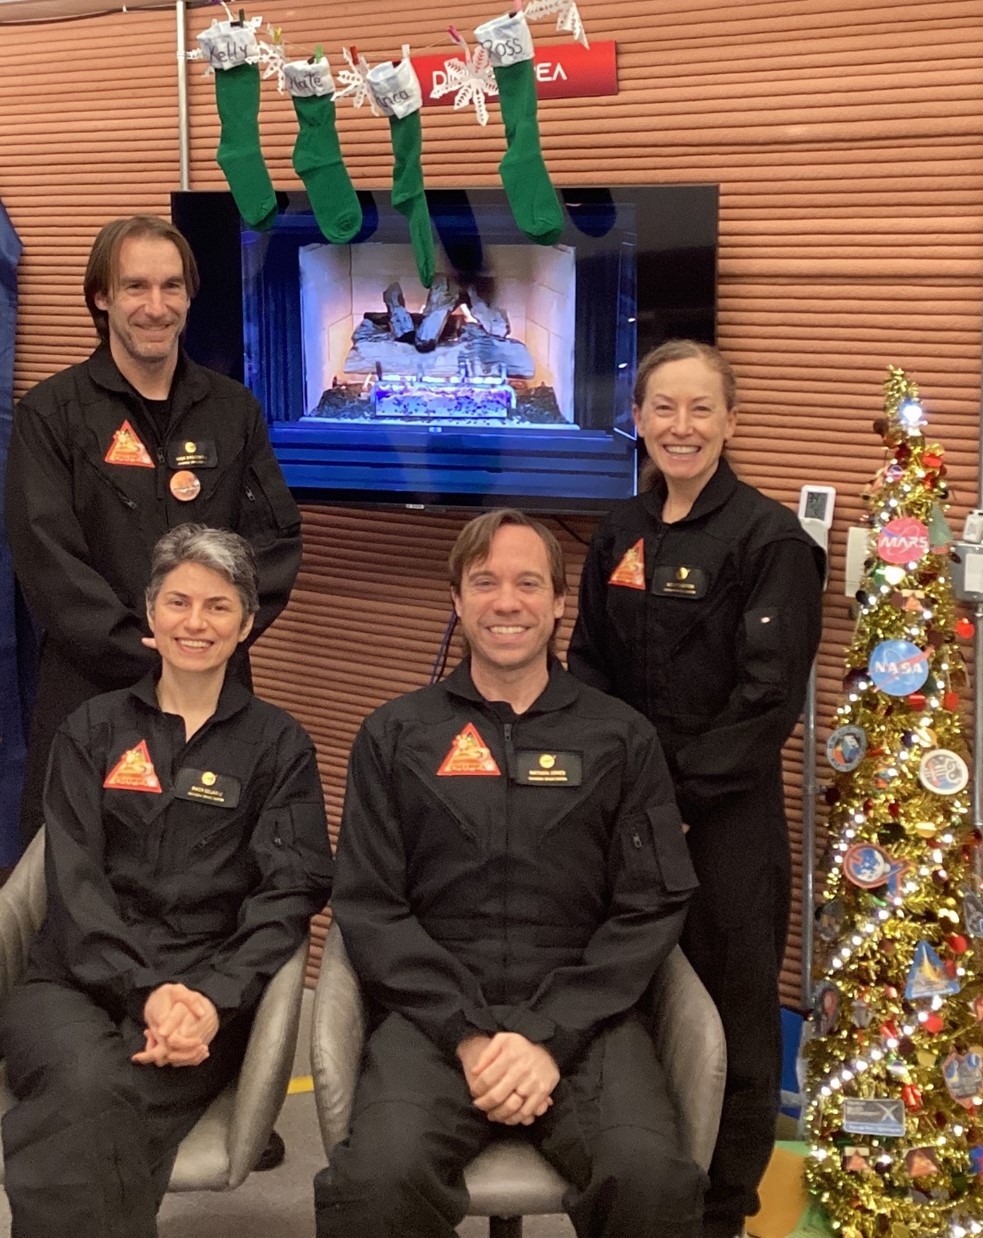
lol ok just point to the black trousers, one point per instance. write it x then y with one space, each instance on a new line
90 1144
611 1132
734 936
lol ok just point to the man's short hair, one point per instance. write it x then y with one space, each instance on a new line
224 552
473 545
102 271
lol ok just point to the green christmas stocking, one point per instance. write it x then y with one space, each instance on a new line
396 91
239 155
530 192
407 196
317 151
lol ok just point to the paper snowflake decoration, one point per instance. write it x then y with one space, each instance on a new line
568 18
472 78
356 81
273 56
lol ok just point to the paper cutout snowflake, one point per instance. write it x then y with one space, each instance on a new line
472 78
356 84
273 56
568 18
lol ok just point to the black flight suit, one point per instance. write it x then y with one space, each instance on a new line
83 515
709 626
523 873
198 861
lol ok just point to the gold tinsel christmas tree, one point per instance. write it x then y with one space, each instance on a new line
895 1081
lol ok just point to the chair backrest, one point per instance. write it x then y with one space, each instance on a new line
23 901
689 1040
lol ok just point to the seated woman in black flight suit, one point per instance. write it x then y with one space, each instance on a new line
186 849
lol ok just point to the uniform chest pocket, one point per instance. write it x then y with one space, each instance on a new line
216 832
713 612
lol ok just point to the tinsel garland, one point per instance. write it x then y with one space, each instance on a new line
895 1078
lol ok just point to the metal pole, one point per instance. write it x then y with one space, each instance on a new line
180 14
978 659
978 717
809 793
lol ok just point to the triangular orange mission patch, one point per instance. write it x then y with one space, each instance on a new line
126 448
630 572
134 771
469 755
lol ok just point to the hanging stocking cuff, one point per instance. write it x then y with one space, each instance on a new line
396 87
224 45
308 81
506 39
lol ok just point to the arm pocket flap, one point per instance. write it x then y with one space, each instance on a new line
671 851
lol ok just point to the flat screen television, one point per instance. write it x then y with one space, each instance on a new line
509 383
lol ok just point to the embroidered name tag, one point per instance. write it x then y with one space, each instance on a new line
186 453
549 769
207 787
680 582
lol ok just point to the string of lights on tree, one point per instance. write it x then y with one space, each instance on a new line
895 1080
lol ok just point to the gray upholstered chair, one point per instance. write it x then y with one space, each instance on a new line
230 1136
511 1180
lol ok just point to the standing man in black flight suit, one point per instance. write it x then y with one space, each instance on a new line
511 874
108 455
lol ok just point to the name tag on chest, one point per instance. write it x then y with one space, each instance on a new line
680 582
186 453
206 787
549 769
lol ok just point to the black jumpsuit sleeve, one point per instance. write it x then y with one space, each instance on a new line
52 558
95 946
401 966
270 522
651 879
587 655
774 650
292 853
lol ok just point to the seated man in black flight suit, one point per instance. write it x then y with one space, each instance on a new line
512 872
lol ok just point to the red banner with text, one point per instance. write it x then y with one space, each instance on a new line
564 71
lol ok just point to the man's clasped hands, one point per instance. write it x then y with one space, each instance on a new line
510 1078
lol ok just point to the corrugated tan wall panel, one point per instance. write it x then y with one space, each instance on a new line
846 136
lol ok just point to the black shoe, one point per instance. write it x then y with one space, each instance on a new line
273 1154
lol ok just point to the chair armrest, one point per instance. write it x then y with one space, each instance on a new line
23 900
689 1041
337 1036
266 1067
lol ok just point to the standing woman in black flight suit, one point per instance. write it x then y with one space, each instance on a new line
700 605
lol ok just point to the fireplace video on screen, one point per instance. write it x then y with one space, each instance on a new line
509 380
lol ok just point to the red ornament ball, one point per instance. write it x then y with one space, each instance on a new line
934 1023
957 943
950 701
964 628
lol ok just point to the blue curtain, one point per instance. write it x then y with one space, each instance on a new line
13 690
